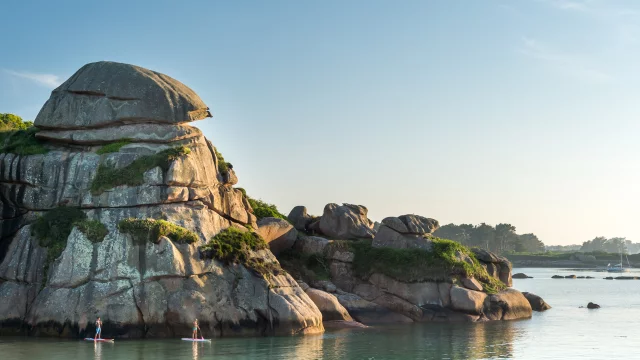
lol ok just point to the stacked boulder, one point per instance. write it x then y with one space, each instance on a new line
339 222
118 147
406 232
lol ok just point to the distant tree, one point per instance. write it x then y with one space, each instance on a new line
529 243
13 122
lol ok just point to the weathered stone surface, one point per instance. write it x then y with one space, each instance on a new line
395 224
95 96
466 300
328 305
424 293
151 133
387 237
508 304
278 233
299 218
536 302
230 178
419 225
472 284
367 312
310 244
324 285
346 222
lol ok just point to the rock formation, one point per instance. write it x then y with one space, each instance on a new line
437 293
278 233
536 302
116 152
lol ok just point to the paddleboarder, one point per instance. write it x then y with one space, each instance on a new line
195 329
98 329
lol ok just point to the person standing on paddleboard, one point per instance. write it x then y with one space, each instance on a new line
98 329
195 329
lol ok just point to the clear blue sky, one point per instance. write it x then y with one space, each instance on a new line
524 112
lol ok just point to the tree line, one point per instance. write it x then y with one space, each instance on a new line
500 239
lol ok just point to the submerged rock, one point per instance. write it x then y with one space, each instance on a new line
593 306
521 276
557 277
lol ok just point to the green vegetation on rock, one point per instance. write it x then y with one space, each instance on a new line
113 147
143 230
52 230
108 176
94 230
234 246
262 209
223 166
21 142
308 267
446 259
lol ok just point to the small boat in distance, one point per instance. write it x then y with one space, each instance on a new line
619 267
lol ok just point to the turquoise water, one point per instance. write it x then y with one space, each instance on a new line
564 332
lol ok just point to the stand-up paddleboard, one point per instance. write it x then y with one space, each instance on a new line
196 340
99 340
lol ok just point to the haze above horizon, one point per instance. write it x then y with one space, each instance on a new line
467 112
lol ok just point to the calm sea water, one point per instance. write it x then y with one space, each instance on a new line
564 332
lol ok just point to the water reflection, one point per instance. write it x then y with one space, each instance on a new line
97 350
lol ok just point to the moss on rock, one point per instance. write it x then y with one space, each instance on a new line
52 230
108 176
308 267
94 230
143 230
113 147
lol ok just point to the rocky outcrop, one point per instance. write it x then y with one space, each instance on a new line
164 170
497 266
536 302
278 233
376 297
345 222
406 232
328 305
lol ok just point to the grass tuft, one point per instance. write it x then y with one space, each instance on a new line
143 230
113 147
94 230
108 176
222 164
21 142
262 209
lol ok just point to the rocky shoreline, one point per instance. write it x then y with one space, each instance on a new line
113 206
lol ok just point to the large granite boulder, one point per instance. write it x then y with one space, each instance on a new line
509 304
329 306
278 233
406 232
345 222
299 218
468 301
108 93
536 302
141 286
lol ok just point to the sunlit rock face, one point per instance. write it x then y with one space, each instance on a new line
139 289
